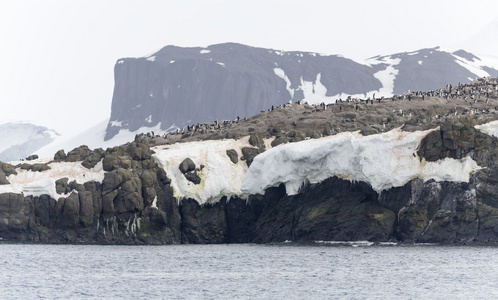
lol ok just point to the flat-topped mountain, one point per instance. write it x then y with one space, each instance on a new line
176 87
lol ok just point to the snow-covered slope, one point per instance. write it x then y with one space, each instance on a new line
93 138
18 139
430 69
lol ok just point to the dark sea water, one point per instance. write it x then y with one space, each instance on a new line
286 271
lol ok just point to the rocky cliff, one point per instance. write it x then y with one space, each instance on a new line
430 180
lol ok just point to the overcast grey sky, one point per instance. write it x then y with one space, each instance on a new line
57 56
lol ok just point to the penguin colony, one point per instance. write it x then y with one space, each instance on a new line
479 97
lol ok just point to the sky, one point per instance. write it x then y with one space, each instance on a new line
57 57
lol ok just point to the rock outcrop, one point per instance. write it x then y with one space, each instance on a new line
136 203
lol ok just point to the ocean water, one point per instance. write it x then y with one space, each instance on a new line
246 271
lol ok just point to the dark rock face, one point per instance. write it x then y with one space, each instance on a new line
135 204
332 210
457 139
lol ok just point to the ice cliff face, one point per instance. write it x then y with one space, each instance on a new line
176 87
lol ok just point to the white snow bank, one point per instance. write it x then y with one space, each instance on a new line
32 183
219 177
383 160
490 128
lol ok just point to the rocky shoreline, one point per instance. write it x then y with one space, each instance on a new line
135 202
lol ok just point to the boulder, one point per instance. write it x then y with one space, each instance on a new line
62 186
34 167
256 141
60 155
279 140
7 169
32 157
186 165
78 154
249 154
139 149
40 167
232 154
3 178
92 160
193 177
327 130
114 161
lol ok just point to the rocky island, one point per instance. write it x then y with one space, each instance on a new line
416 167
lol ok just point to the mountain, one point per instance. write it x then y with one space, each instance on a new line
22 139
176 87
430 69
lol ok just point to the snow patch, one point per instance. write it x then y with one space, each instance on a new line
490 128
281 73
219 176
152 58
205 51
383 160
120 62
171 61
315 92
221 64
36 184
387 76
154 203
148 119
116 123
420 62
